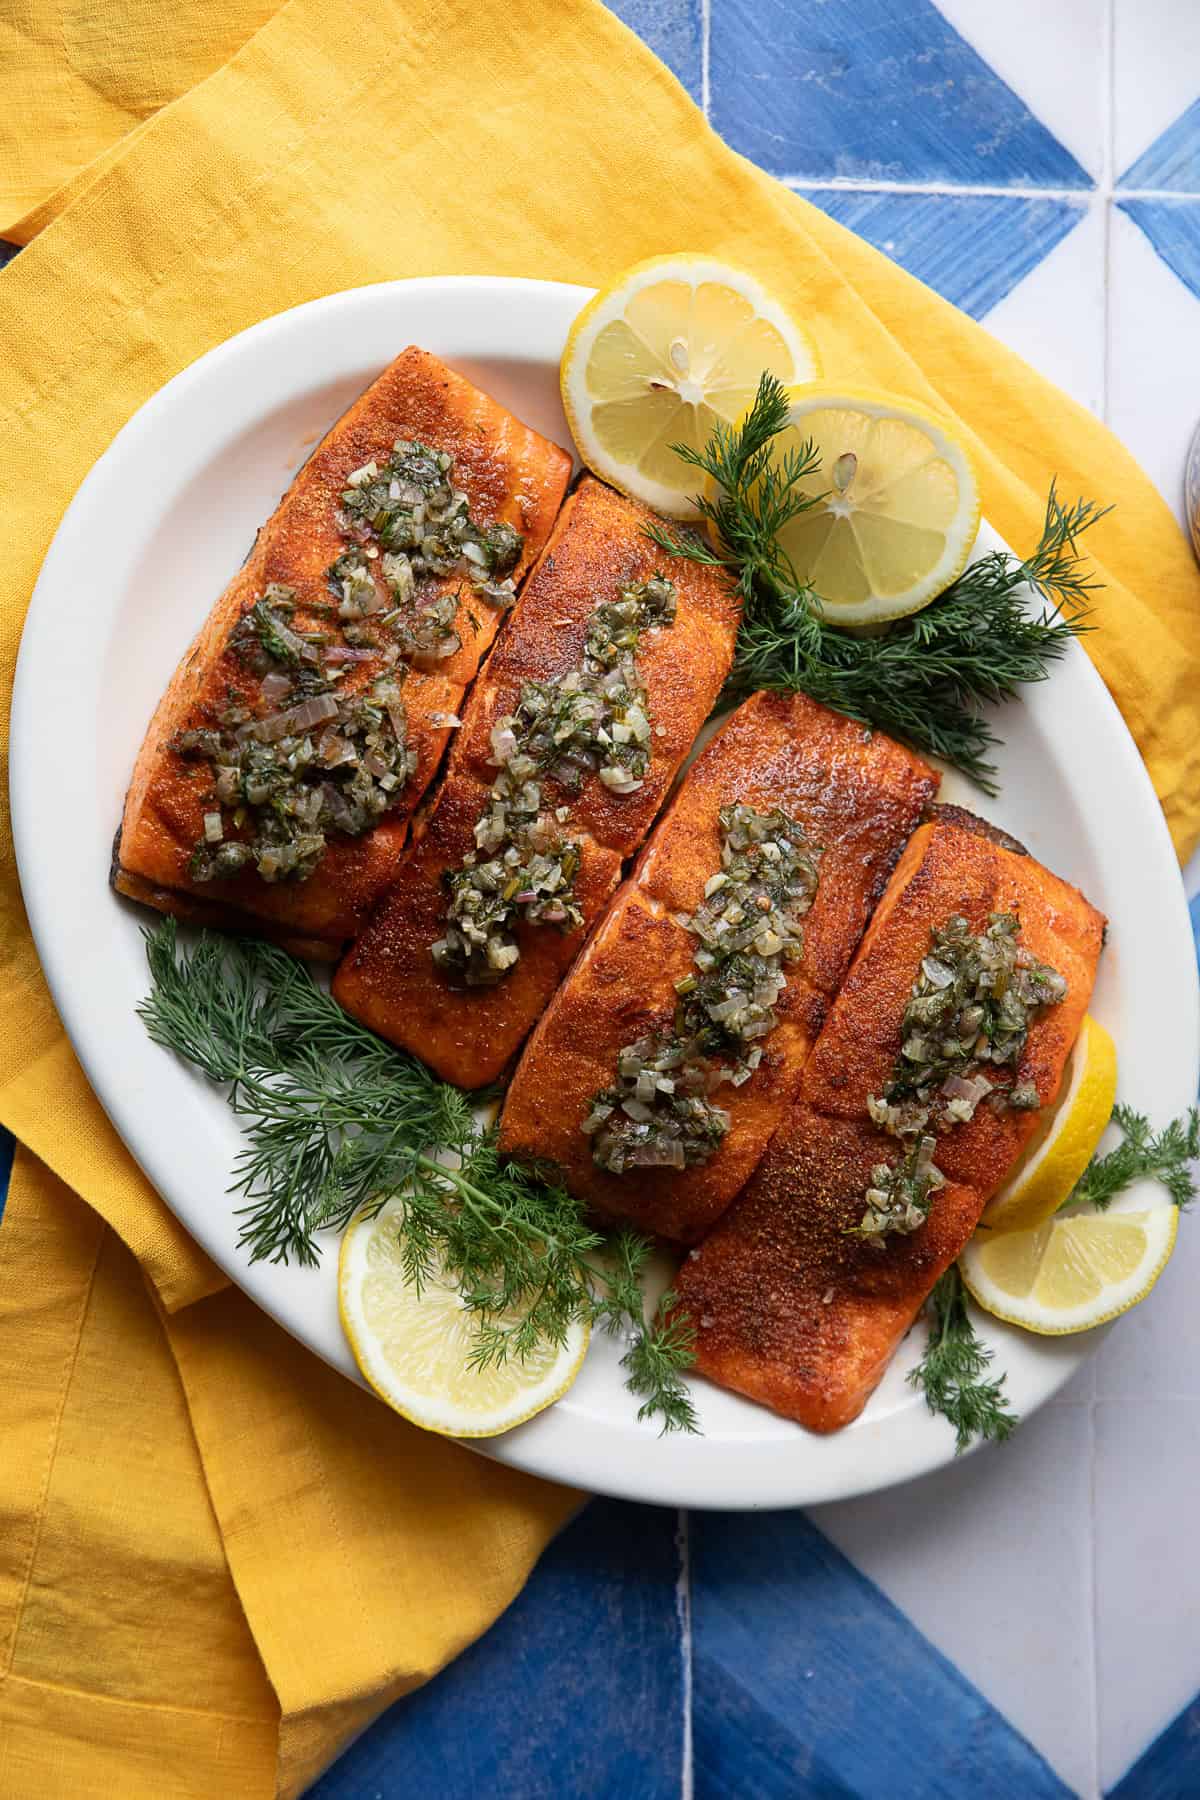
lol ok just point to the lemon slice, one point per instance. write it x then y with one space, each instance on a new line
897 503
1066 1139
673 347
414 1348
1075 1271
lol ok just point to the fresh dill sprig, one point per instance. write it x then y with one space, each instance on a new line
337 1124
654 1362
923 678
1142 1153
950 1373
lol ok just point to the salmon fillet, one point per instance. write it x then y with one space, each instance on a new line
788 1308
510 474
858 795
388 978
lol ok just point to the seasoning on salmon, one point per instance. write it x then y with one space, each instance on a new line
794 1304
274 788
666 1060
570 741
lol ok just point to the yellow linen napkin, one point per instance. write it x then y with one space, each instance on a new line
218 1558
539 138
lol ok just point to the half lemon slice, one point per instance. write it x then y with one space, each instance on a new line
896 503
1066 1138
1076 1271
415 1348
675 346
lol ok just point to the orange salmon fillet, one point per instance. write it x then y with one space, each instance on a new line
856 793
788 1309
388 978
509 474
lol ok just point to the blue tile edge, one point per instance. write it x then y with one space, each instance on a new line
674 30
1172 161
873 90
1172 227
822 1687
972 249
577 1689
1170 1768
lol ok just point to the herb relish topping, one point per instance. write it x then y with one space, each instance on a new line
406 522
970 1010
594 720
314 760
659 1113
300 758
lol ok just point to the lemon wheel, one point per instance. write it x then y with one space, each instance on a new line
895 503
415 1348
672 348
1074 1271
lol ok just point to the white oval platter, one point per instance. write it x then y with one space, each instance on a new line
150 540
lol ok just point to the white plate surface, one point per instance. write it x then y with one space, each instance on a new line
151 539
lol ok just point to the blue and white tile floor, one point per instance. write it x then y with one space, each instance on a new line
1026 1624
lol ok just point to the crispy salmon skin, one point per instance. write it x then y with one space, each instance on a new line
510 475
789 1308
857 795
388 977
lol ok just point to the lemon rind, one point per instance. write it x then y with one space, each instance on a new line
1014 1211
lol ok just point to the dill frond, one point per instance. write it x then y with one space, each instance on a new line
1163 1156
925 678
951 1372
337 1123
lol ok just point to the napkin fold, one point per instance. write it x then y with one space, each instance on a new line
217 1558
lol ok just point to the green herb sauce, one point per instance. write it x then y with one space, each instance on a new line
406 523
963 1035
302 759
659 1112
309 761
594 720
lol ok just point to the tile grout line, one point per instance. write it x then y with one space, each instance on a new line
848 185
1080 196
683 1604
705 42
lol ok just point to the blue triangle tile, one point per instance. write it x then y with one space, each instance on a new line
739 1748
673 29
1172 160
806 1674
7 251
870 90
1173 227
1170 1768
971 248
577 1689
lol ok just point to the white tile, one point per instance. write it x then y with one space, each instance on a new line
1055 317
1155 1349
1147 1575
1156 71
1032 46
991 1559
1153 372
